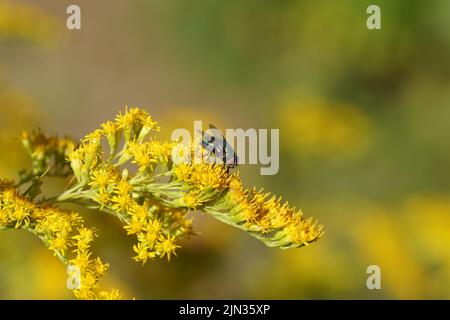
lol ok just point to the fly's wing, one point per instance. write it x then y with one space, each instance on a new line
218 141
218 146
232 162
225 151
207 141
230 157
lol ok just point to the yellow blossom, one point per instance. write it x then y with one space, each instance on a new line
152 204
83 239
135 225
113 295
143 254
60 230
123 187
109 128
166 247
122 202
101 178
58 244
192 200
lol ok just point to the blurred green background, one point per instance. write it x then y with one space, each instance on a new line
364 119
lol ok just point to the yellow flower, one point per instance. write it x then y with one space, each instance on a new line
93 138
113 295
153 226
152 204
166 246
122 202
81 260
301 231
209 176
101 178
109 128
56 228
160 151
127 119
20 212
143 254
142 154
100 267
123 188
192 200
4 218
279 215
203 175
153 230
183 171
140 211
135 225
148 122
58 244
83 239
91 153
103 197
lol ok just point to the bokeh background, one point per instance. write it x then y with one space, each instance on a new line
364 119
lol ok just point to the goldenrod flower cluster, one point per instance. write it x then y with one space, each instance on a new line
62 231
102 181
142 200
47 154
264 216
150 185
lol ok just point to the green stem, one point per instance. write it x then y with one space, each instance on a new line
70 194
80 202
121 217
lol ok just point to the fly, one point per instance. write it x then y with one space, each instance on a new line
216 145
